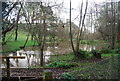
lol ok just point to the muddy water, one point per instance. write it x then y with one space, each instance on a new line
32 54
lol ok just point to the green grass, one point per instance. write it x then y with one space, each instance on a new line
85 42
87 69
102 70
12 45
70 59
21 35
108 55
66 57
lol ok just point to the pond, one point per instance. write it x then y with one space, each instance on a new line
32 55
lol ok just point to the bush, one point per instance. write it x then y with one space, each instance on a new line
81 54
85 42
95 41
105 50
118 45
118 41
116 50
66 76
96 53
82 51
85 53
87 56
62 64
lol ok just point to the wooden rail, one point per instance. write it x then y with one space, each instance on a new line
21 57
8 60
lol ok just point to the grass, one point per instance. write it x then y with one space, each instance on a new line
88 69
82 68
13 46
93 42
102 70
62 57
70 59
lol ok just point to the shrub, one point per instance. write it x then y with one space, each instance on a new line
81 54
117 50
85 53
96 53
118 45
87 56
85 42
95 41
105 50
66 76
61 64
82 51
118 41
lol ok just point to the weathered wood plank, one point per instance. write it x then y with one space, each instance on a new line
21 57
8 64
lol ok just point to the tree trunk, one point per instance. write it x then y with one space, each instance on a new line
16 33
71 41
79 30
81 24
32 36
26 40
3 37
43 42
113 27
118 28
41 57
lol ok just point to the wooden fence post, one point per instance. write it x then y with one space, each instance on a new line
47 75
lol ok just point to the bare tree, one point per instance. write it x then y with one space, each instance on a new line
16 30
113 25
107 21
80 29
118 26
38 20
71 38
7 25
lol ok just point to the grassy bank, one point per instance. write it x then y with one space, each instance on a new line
86 69
12 45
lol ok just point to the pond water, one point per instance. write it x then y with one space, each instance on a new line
32 54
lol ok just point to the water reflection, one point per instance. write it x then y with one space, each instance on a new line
32 55
88 47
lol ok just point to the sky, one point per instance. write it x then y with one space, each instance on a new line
75 4
76 7
64 14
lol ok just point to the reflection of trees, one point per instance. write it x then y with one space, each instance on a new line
4 62
28 59
41 21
